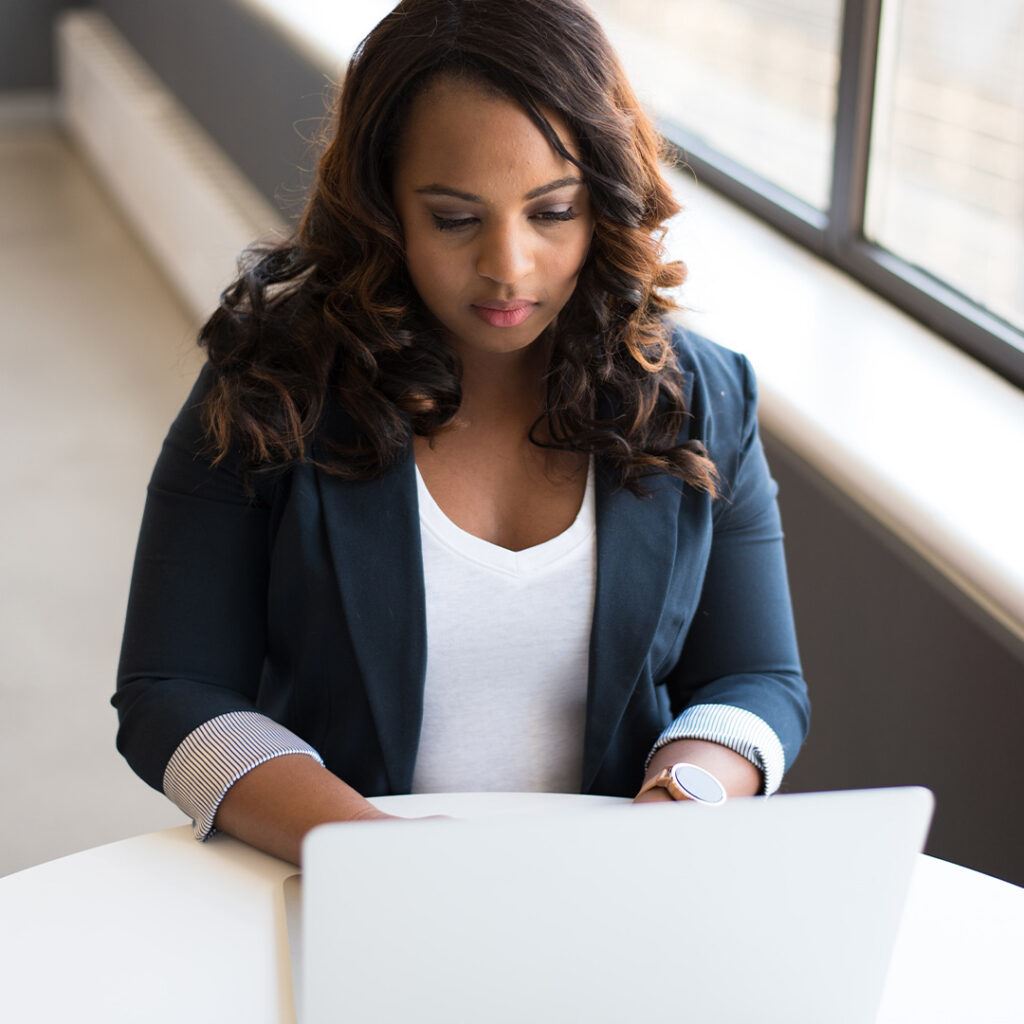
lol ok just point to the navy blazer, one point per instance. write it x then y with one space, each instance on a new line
306 603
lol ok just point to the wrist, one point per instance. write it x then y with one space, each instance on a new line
685 780
738 775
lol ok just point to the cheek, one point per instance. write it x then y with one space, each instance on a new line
567 259
433 271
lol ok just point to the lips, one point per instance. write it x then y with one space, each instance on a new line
505 306
504 314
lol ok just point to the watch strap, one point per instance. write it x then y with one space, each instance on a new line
664 780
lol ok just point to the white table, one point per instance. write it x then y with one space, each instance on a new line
161 928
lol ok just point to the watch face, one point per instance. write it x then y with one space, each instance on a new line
698 784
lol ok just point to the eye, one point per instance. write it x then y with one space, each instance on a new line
550 215
460 223
451 224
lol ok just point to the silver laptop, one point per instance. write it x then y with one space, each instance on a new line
783 909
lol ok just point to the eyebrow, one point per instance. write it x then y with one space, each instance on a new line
469 197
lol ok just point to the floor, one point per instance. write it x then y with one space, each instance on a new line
98 355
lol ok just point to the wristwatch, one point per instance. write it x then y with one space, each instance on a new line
685 781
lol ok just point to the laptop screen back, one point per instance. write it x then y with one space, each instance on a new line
783 909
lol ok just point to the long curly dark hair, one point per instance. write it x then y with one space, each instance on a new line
330 314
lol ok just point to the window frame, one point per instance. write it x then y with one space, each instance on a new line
837 234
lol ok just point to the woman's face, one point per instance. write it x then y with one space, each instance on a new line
490 213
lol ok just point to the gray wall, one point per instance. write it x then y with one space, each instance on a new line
242 81
909 684
26 43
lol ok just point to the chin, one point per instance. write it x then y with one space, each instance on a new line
472 332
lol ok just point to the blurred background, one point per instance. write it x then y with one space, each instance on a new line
853 184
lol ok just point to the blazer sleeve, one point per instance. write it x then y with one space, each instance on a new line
195 631
741 648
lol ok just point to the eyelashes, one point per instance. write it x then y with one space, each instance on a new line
458 224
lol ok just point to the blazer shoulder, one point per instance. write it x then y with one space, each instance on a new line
713 365
186 459
723 389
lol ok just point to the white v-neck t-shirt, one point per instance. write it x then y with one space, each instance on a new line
508 636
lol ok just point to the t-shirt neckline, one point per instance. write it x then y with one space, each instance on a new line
494 555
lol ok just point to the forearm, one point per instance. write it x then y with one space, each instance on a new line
739 776
275 804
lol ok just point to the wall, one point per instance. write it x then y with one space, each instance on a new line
908 686
26 43
241 80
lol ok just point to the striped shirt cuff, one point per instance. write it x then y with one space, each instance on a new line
216 754
736 728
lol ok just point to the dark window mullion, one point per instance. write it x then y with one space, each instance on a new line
854 106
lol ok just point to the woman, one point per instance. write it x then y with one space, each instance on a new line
453 406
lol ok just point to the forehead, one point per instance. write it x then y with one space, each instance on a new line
460 134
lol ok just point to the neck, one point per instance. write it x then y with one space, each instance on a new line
503 389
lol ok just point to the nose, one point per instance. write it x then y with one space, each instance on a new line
505 254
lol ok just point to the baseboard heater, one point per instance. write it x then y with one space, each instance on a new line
187 201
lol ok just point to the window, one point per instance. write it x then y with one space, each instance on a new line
757 81
887 135
946 175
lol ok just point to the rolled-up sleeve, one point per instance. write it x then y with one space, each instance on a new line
216 754
740 651
739 730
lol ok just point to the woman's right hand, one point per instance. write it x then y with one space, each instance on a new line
373 814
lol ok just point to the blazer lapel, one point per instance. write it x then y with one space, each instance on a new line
636 548
373 533
636 552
